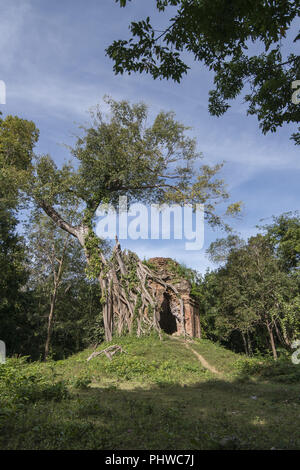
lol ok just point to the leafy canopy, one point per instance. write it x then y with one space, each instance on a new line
17 140
222 34
252 293
121 154
284 235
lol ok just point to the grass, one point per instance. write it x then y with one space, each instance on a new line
158 396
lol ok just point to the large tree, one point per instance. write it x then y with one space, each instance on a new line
123 155
245 43
51 253
13 277
284 235
57 281
17 140
256 296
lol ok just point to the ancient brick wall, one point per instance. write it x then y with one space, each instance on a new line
170 308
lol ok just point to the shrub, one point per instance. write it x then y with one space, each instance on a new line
81 382
282 370
248 366
21 383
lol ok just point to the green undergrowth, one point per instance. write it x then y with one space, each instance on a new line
157 395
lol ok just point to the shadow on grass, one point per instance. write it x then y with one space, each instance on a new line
215 414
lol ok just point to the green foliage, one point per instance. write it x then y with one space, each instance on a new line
81 381
219 34
13 299
130 280
17 139
168 371
94 328
121 154
170 404
117 155
93 247
282 371
77 320
138 305
248 366
284 235
181 271
124 155
21 385
148 264
255 294
220 250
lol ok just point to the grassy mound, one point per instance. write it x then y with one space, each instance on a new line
157 396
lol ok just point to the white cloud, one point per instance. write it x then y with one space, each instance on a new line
13 21
53 62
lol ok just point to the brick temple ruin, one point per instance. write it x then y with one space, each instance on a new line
169 304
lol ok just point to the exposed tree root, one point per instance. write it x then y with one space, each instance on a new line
109 352
129 303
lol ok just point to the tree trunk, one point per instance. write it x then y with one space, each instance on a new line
57 275
50 324
245 344
282 336
249 345
272 341
127 301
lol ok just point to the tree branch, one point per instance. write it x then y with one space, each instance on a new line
58 220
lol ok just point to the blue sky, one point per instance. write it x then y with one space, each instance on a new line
52 58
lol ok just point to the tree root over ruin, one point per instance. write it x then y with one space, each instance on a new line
128 295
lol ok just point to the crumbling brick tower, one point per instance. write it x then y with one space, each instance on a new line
169 305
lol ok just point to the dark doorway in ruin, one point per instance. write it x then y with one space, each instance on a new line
167 320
